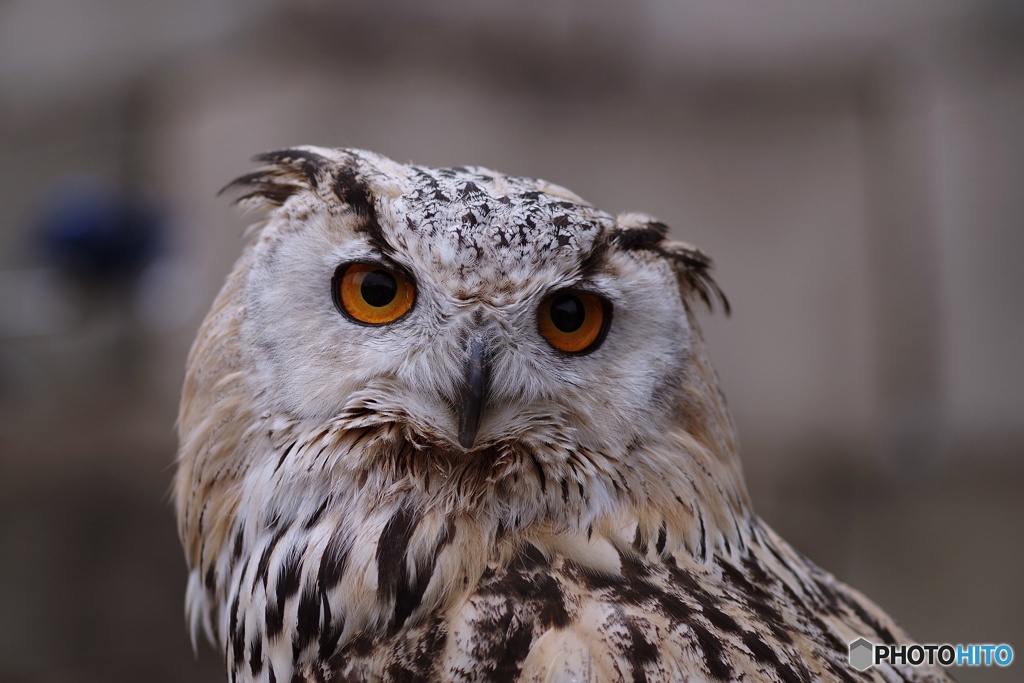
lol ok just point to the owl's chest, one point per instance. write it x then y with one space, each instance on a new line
535 620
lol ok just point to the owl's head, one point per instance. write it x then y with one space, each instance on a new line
469 307
483 339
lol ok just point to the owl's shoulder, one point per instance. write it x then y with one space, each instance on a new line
761 613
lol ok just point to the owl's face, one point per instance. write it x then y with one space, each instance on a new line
468 307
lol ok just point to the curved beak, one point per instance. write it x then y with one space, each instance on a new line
473 393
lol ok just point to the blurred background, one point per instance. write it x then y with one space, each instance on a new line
856 169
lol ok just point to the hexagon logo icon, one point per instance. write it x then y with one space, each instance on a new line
861 654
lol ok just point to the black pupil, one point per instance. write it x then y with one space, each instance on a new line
378 288
567 313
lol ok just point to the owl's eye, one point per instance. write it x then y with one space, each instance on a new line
574 322
371 294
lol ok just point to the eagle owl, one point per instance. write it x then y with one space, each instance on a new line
445 424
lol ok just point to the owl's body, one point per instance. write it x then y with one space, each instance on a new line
451 425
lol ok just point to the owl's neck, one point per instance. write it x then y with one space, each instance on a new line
355 516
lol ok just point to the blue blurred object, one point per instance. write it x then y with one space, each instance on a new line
99 235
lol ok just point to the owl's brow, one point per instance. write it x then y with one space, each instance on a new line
596 259
354 192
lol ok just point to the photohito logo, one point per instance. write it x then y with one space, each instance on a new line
865 654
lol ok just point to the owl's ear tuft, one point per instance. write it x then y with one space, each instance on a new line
282 174
693 268
638 232
643 235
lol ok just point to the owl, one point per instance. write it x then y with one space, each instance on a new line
445 424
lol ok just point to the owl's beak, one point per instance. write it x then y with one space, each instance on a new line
473 393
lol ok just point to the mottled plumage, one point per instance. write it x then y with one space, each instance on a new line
352 511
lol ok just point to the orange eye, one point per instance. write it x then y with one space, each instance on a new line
370 294
574 322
